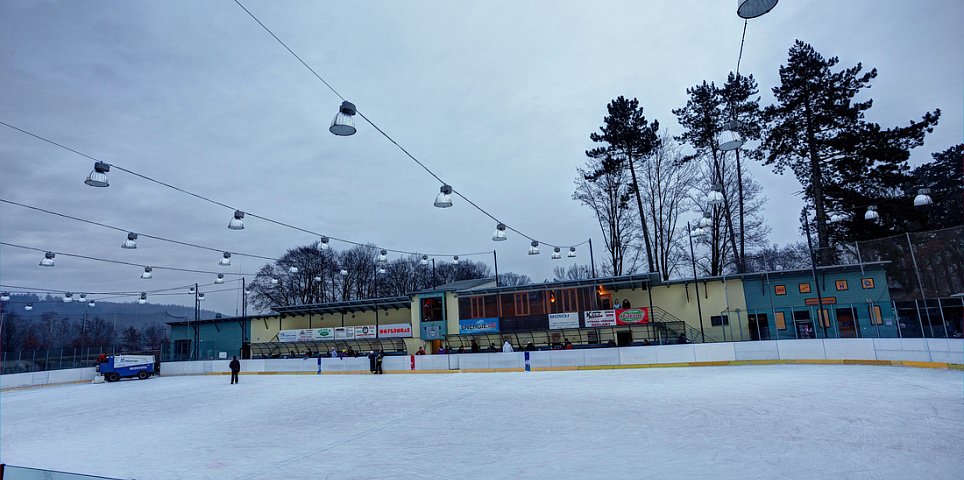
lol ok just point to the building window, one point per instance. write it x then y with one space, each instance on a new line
432 310
867 283
719 320
520 304
780 289
804 287
841 285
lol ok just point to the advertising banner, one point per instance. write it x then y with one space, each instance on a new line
601 318
479 325
305 335
564 320
395 330
344 333
632 316
365 331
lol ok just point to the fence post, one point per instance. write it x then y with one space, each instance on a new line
921 320
940 308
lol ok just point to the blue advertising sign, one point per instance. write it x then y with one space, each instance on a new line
479 325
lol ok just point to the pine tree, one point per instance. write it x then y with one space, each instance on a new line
818 130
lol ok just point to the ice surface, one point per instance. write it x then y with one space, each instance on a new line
781 421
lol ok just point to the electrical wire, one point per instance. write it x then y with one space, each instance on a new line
388 137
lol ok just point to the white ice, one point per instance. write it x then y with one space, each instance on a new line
781 421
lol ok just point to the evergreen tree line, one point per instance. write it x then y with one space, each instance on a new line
644 185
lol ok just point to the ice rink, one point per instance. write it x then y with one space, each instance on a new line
773 422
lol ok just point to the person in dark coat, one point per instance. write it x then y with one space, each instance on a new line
682 338
235 366
475 346
371 361
378 362
530 347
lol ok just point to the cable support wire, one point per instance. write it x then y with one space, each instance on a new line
21 290
389 138
232 208
121 262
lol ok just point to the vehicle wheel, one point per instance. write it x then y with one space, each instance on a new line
143 375
112 377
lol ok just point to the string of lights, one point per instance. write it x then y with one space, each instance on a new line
348 109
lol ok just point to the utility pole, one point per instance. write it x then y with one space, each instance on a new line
813 271
696 283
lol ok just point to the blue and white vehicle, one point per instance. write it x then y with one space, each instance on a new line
127 366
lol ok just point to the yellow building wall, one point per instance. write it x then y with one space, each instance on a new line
716 298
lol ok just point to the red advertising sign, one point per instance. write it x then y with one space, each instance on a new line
632 316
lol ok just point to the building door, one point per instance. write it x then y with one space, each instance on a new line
847 323
804 324
624 338
759 326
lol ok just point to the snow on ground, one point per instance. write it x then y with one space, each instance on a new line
780 421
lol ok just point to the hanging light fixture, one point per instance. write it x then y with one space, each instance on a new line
383 256
191 289
274 281
5 296
83 297
381 270
444 198
343 125
68 297
48 260
237 223
28 307
200 297
317 279
143 298
98 176
534 248
697 232
754 8
343 272
91 303
837 218
455 259
923 198
220 279
730 138
323 243
147 273
424 260
872 214
292 269
715 197
247 291
572 252
706 221
131 242
225 260
499 234
555 253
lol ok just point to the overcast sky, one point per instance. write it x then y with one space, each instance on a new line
498 97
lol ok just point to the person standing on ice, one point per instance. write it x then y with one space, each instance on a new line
378 362
371 361
334 353
506 348
235 366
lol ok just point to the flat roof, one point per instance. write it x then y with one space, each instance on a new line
352 306
623 281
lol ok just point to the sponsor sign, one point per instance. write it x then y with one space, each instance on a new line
306 335
564 320
344 333
479 325
600 318
365 331
632 316
395 330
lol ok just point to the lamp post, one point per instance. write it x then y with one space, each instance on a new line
696 284
196 351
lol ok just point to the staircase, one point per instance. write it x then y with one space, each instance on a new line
671 326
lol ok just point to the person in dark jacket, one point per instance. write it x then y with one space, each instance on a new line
475 346
378 362
530 347
371 361
682 338
235 366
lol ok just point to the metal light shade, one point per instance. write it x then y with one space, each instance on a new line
247 291
48 260
225 260
293 269
83 297
323 243
317 279
4 296
715 197
343 124
706 221
28 307
697 232
131 242
444 198
143 298
68 297
274 281
836 218
730 138
424 260
343 272
91 304
534 248
237 223
872 214
572 252
923 198
98 176
147 273
220 279
381 270
200 297
383 256
499 234
754 8
555 254
455 259
191 289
